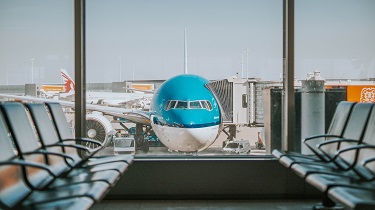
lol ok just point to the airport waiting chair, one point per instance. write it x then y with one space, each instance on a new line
59 174
361 174
359 163
338 185
353 198
50 140
65 135
324 151
16 193
357 197
353 135
335 130
354 171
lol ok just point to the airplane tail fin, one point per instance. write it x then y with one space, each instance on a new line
68 81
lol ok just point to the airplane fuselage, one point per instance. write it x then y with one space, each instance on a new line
186 116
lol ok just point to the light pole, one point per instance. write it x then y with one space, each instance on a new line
247 64
133 72
6 71
32 70
185 53
120 68
242 64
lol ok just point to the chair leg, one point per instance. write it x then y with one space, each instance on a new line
327 204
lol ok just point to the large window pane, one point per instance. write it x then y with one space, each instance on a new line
144 42
334 44
134 46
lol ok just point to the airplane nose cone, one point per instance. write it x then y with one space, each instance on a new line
186 139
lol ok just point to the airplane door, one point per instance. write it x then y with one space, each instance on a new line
241 102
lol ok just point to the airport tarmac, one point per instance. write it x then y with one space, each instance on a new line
244 133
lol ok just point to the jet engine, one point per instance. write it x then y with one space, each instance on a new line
99 128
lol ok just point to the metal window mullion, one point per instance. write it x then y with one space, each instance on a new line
288 114
80 68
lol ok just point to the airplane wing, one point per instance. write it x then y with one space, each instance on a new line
132 115
144 91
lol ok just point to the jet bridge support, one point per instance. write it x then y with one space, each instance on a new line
231 133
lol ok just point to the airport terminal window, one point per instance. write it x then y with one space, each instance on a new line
226 40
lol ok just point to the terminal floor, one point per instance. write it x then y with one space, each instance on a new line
205 204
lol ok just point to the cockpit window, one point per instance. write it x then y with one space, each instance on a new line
195 105
182 105
206 105
201 104
170 105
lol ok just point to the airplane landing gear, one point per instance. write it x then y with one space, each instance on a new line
141 142
145 146
141 131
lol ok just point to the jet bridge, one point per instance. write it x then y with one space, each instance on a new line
241 102
235 98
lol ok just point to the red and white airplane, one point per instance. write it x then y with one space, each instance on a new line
126 100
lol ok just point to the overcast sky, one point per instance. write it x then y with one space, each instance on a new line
145 39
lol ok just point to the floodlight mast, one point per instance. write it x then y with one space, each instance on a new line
185 53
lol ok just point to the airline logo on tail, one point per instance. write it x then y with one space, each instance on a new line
68 81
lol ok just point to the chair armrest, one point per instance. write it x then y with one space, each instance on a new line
356 148
45 152
336 141
323 156
319 153
85 140
29 164
76 146
90 151
369 160
320 136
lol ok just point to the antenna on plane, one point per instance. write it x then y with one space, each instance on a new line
185 53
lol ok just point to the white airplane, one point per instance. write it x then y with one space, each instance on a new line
184 114
139 100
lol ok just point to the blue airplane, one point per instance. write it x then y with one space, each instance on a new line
185 115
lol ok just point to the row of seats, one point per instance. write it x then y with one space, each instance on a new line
41 166
342 167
